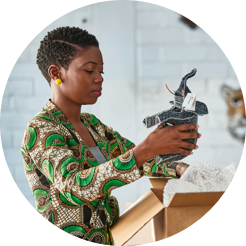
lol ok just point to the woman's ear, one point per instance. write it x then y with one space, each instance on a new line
54 72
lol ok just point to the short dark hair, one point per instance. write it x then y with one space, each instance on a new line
61 46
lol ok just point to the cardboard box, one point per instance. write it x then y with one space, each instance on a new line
144 235
136 216
184 210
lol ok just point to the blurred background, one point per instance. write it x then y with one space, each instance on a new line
144 47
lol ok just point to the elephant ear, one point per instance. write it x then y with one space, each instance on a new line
201 108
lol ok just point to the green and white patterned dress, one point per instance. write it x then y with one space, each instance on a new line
71 188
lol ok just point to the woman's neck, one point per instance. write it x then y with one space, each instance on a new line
70 109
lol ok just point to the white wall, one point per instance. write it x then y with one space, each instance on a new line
144 47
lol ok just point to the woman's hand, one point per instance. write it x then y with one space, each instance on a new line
163 141
169 140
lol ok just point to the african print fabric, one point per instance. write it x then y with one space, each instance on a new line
71 189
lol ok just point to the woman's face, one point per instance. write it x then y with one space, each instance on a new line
82 82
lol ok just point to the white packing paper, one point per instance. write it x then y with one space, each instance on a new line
200 177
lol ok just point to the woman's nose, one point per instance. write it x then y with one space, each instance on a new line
99 78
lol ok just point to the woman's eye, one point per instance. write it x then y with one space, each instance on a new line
88 71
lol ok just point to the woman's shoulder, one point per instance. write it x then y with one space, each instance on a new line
43 117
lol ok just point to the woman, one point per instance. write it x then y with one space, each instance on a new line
72 160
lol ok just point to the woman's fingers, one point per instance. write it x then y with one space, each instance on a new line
169 140
186 127
187 135
185 151
183 127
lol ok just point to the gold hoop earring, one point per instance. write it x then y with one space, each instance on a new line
58 81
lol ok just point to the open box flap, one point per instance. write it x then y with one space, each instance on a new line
158 183
135 217
195 199
185 199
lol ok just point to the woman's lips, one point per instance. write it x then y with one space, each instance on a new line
98 92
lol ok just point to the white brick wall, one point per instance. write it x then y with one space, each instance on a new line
25 94
143 50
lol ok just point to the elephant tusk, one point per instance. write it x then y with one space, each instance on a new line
169 90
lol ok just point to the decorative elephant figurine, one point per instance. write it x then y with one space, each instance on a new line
178 115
